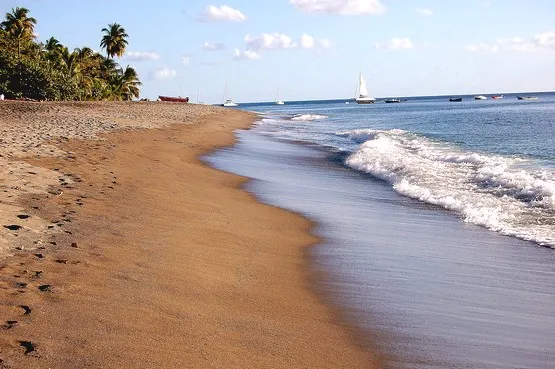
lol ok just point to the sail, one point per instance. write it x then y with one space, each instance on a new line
362 90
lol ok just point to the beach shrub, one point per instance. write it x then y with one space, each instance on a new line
32 78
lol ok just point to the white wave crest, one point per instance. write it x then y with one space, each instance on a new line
363 135
493 191
308 117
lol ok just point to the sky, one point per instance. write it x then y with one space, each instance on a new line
315 49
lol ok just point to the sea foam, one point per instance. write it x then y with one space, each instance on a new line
308 117
509 195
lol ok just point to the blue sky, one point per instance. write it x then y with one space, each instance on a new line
314 49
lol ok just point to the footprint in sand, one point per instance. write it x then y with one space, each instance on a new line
13 227
26 309
28 346
9 324
45 288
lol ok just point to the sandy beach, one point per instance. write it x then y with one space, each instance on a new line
119 248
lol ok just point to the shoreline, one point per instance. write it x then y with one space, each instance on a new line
164 263
427 288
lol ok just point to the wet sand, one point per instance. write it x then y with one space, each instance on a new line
431 290
132 253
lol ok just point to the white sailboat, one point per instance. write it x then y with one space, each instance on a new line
363 97
278 101
228 102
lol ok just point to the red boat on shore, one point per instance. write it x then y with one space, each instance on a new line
174 99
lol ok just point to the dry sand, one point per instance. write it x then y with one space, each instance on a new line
133 254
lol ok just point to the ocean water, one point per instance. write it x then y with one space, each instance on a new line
438 219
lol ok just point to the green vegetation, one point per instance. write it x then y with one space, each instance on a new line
49 71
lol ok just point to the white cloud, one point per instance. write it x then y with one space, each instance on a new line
306 42
546 39
213 46
425 12
140 56
396 43
162 73
341 7
223 13
269 41
515 44
540 42
186 60
245 55
279 41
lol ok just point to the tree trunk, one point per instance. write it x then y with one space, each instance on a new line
19 66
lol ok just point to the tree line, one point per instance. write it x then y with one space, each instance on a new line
50 71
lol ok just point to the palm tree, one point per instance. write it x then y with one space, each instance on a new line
108 67
71 63
131 83
114 40
85 53
89 70
19 25
124 85
53 45
53 50
107 78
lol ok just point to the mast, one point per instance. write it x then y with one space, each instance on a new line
225 92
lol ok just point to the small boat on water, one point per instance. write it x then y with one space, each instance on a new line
497 97
480 97
174 99
363 97
278 101
527 97
229 102
389 101
455 99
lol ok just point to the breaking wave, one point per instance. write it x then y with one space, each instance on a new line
509 195
308 117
